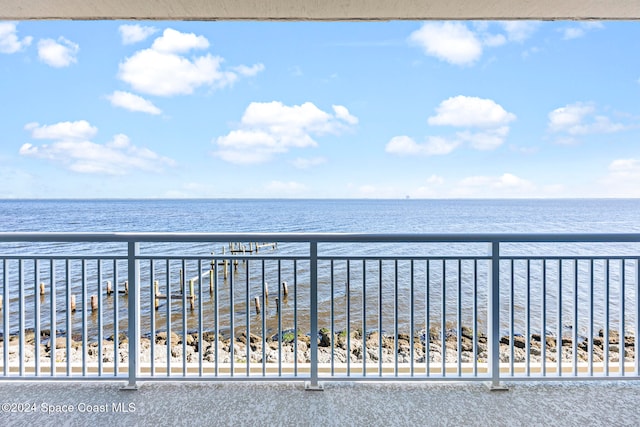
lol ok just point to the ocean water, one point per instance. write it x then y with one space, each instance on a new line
382 285
370 216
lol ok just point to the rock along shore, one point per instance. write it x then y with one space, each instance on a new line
338 344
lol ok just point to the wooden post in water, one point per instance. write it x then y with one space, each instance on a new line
192 295
94 302
181 282
73 303
109 289
285 289
226 268
277 305
156 288
256 300
266 290
211 273
41 288
126 287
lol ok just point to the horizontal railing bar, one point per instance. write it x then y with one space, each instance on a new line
565 378
320 257
276 257
321 237
66 257
568 258
402 258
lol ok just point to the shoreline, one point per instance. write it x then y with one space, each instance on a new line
343 349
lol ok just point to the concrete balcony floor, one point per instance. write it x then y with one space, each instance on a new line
607 403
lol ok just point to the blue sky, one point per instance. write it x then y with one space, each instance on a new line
319 110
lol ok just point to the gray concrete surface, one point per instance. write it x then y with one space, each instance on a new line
341 403
319 10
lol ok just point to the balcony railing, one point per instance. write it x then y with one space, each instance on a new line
313 307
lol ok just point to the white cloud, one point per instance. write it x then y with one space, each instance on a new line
485 140
452 42
506 185
132 102
173 41
456 43
135 33
487 124
161 70
74 151
301 163
519 31
623 179
580 30
58 54
77 130
280 188
9 41
243 70
580 119
268 128
404 145
469 111
343 114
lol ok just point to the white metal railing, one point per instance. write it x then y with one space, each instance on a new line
156 306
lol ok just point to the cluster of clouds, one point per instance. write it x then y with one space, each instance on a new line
483 124
463 44
270 128
169 67
176 63
73 148
570 122
58 53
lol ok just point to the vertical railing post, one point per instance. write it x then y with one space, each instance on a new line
133 314
313 314
494 318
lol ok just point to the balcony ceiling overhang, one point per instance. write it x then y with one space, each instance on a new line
320 10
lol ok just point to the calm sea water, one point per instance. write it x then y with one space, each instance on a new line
372 216
367 216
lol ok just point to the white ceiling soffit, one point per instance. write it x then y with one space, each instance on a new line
320 10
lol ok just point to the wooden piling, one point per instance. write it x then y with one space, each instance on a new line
266 290
126 287
256 300
41 288
156 292
73 303
211 273
181 281
109 289
285 289
277 305
94 302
